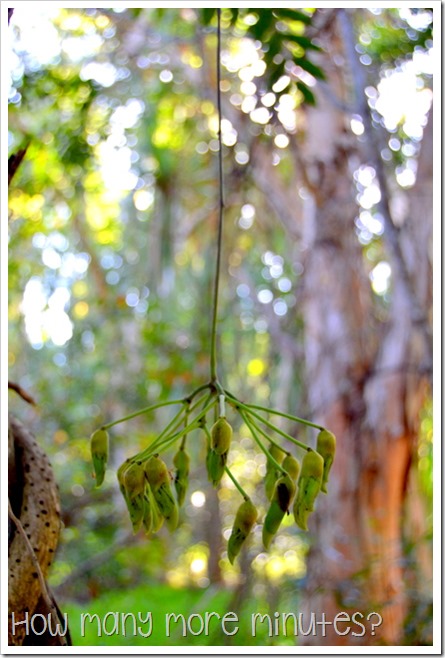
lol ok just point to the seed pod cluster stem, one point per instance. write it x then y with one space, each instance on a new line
147 486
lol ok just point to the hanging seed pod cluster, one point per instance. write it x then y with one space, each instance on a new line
293 480
154 493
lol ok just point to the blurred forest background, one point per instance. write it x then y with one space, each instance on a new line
325 311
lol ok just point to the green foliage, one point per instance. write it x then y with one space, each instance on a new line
126 261
394 35
150 597
281 33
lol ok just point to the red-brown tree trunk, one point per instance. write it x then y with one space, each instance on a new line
366 382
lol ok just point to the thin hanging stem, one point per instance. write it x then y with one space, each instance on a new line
213 360
145 410
236 483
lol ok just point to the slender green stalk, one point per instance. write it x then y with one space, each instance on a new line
177 420
236 483
186 420
208 435
289 416
275 412
260 443
279 431
267 436
168 441
171 427
145 410
198 390
206 401
248 408
213 336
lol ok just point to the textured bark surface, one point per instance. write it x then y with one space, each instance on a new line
366 378
34 500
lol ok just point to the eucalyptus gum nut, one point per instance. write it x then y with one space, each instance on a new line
156 472
326 444
215 466
99 453
134 480
245 519
292 466
221 434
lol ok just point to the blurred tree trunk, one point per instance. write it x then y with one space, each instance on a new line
366 376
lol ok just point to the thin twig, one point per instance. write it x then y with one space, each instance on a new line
213 360
23 394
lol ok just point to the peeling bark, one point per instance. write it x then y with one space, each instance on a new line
367 381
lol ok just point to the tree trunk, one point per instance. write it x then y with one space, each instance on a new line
365 383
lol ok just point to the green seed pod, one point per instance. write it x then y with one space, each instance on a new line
121 472
244 521
284 492
182 463
134 496
147 519
156 472
221 434
272 473
326 443
215 466
154 516
99 453
292 466
272 522
167 505
136 510
283 495
158 478
134 480
309 485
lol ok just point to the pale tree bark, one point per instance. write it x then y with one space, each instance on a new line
367 379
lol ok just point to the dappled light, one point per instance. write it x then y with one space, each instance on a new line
324 314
